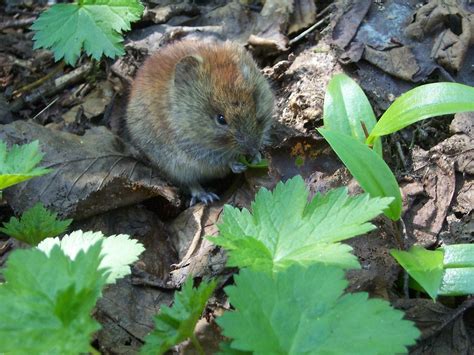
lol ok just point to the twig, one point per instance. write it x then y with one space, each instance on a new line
312 28
53 87
22 22
48 106
40 81
402 156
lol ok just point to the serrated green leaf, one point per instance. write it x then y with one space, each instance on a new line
458 255
46 301
368 168
176 324
284 228
423 102
303 311
19 164
35 224
425 266
92 25
117 252
346 108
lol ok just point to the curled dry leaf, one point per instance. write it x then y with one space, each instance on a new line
92 174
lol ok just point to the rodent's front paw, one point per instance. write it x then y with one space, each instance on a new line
204 197
237 167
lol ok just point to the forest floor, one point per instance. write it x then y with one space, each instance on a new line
100 181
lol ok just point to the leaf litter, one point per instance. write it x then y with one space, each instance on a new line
103 186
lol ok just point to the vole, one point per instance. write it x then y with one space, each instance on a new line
194 108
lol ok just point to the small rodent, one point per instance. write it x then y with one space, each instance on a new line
196 107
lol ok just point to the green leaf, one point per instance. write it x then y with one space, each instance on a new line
35 224
117 251
425 266
346 108
457 281
424 102
226 349
46 301
262 164
285 229
303 311
368 168
92 25
176 324
458 255
19 164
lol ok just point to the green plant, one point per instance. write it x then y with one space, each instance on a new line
262 164
285 229
19 164
49 291
176 324
93 25
349 122
34 225
302 310
290 300
288 297
447 271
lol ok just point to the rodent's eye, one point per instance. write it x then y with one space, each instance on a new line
221 119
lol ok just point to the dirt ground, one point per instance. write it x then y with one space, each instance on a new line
101 181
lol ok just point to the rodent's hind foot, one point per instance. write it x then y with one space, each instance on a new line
237 167
202 196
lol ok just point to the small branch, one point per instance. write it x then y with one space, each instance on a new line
19 23
52 87
48 106
401 155
309 30
40 81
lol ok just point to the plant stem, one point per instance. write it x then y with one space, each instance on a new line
197 345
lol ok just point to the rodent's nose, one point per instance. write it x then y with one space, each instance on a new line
253 155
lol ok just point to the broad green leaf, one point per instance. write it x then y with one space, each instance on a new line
19 164
346 108
226 349
304 311
176 324
46 302
117 251
35 224
458 255
368 168
457 281
423 102
284 228
425 266
92 25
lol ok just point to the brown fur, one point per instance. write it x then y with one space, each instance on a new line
175 98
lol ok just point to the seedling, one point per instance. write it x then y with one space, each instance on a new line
34 225
349 123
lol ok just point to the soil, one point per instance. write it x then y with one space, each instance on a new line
104 184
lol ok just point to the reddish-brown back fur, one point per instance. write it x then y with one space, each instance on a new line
174 126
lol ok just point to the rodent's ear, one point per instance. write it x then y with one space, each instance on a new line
187 69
